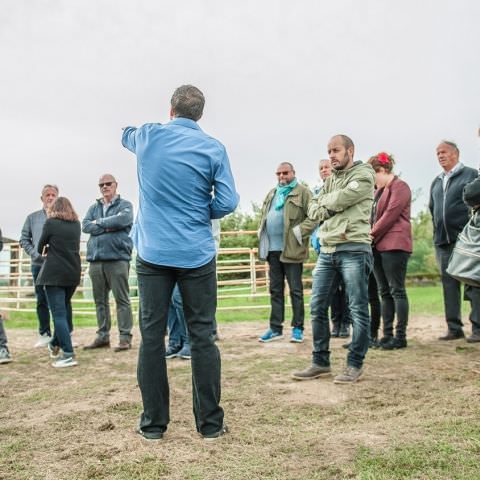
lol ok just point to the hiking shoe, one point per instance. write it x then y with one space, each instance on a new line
270 336
297 335
53 351
313 371
185 352
394 344
97 343
384 340
5 356
43 340
149 435
122 346
335 331
474 338
350 375
63 362
172 351
215 436
452 335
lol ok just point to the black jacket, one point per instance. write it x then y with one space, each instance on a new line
449 212
62 264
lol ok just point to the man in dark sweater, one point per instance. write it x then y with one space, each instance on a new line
449 215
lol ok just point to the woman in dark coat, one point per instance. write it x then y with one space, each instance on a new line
392 246
60 274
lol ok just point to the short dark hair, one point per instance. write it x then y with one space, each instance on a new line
289 164
346 141
188 102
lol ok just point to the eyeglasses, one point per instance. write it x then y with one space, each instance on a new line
105 184
282 173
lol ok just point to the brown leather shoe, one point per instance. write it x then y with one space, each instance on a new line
123 345
452 335
97 343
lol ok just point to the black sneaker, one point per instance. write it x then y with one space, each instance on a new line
452 335
394 344
149 435
215 436
344 331
474 338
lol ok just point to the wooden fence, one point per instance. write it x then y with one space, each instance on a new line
241 275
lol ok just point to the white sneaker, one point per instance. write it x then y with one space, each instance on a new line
43 340
5 356
63 362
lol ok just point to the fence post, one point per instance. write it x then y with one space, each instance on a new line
253 272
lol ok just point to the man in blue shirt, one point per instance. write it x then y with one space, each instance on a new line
184 181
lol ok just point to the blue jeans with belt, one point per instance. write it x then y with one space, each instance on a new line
198 287
353 268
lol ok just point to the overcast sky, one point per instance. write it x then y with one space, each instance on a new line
280 78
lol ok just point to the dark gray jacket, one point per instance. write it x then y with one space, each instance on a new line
449 212
31 233
109 235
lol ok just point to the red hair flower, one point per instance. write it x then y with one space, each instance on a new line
383 158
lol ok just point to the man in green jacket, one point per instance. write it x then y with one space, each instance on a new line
343 206
284 238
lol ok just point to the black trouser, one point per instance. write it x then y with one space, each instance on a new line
451 290
339 308
390 270
473 294
293 273
198 287
375 308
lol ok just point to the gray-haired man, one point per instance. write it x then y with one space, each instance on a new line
31 232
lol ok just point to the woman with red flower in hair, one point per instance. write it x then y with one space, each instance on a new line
392 245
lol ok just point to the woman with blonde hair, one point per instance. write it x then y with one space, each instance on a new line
392 245
60 275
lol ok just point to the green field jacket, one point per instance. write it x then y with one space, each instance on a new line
344 206
295 213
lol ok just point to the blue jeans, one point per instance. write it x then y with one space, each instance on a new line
198 287
353 268
177 327
59 299
43 313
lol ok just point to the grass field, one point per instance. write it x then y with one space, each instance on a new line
414 415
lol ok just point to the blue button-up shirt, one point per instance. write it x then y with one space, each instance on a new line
184 181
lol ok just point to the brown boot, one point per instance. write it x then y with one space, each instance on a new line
97 343
123 345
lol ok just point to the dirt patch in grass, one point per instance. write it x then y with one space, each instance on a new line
79 423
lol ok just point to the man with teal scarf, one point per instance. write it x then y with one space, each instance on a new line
284 237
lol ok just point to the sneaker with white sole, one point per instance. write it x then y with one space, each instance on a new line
5 356
215 436
43 340
297 335
64 362
185 352
270 336
53 351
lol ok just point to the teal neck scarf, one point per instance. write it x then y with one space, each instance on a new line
282 192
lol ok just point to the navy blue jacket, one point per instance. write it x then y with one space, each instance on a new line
449 212
109 235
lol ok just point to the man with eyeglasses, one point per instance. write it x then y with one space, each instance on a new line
109 251
283 241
